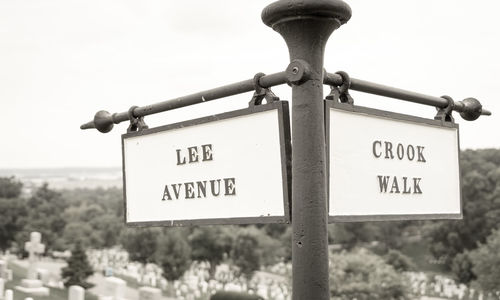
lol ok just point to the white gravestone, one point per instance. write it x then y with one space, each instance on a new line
2 287
43 275
3 269
31 284
34 247
9 295
149 293
76 293
114 287
9 275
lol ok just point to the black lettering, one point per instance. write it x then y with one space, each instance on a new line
416 187
375 150
177 190
179 162
212 185
420 151
193 154
400 151
405 189
189 190
388 150
207 152
383 181
395 186
202 188
229 186
410 152
166 193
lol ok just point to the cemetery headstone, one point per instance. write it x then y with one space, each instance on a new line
9 275
3 269
31 284
34 247
43 275
9 295
149 293
2 287
76 293
115 288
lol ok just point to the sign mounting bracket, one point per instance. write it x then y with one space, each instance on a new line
444 114
136 123
261 92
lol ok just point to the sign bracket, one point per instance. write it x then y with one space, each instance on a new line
136 123
444 114
261 92
340 93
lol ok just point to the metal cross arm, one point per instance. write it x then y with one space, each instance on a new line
470 108
103 120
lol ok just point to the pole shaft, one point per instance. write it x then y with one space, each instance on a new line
306 27
309 213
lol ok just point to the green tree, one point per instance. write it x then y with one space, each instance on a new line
481 207
351 234
462 268
362 275
486 262
10 187
399 261
45 215
13 211
173 253
98 212
286 242
246 254
78 269
211 243
12 217
140 243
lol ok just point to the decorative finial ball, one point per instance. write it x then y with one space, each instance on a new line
103 121
473 109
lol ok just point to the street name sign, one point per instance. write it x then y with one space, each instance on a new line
230 168
388 166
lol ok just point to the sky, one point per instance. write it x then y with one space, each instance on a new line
63 60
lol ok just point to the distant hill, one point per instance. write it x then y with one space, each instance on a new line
66 178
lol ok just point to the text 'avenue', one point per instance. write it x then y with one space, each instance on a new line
202 188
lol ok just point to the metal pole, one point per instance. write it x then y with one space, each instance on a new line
306 26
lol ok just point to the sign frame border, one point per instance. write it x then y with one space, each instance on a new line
285 154
362 110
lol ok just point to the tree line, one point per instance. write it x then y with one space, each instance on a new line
94 218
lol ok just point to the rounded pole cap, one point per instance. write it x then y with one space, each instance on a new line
291 9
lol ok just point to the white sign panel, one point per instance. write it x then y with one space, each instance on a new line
224 169
386 166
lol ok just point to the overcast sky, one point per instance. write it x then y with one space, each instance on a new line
63 60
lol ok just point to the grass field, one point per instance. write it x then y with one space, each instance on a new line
55 294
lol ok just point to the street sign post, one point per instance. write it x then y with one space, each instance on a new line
388 166
233 168
230 168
